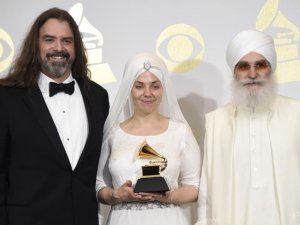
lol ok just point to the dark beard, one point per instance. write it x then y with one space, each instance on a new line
56 69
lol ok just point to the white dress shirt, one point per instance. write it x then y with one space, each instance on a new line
69 115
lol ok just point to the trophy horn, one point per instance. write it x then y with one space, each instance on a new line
147 151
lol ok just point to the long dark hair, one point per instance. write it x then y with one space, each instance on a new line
26 68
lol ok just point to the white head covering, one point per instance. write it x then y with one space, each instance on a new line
250 41
122 108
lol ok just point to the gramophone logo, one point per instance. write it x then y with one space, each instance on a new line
181 46
93 41
6 50
286 38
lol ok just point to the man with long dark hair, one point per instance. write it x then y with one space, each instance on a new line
51 125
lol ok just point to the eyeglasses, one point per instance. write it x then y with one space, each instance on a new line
260 66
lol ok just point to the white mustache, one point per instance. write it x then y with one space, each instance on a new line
260 96
258 81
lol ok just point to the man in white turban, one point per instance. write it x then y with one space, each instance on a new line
251 168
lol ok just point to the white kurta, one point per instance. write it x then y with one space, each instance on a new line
251 168
177 144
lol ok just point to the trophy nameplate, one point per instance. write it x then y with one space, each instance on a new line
151 181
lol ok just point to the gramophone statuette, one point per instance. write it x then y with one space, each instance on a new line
151 180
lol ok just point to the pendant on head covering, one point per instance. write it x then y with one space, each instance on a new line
147 65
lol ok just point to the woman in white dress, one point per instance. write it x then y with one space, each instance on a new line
146 111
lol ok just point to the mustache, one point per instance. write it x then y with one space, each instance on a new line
258 81
58 54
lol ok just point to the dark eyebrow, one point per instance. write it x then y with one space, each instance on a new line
51 36
48 36
261 60
140 82
156 81
68 38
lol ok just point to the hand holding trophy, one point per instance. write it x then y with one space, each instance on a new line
151 181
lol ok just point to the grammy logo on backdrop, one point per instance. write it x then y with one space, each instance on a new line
151 181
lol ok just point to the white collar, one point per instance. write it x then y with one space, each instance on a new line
44 81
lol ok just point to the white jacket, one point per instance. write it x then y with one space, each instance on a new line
284 132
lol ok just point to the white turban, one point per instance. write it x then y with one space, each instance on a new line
250 41
143 62
123 107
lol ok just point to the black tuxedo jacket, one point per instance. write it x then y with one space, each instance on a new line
37 183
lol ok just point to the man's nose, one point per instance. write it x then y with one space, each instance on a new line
58 45
252 73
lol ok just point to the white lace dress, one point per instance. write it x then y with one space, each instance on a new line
120 162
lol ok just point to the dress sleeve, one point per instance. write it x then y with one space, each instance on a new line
103 178
190 160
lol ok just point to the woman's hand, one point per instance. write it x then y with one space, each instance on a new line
125 194
182 195
164 198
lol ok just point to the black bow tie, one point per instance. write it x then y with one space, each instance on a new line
54 88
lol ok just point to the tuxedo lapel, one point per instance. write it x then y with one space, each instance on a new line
41 112
87 103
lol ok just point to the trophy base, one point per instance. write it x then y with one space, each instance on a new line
151 185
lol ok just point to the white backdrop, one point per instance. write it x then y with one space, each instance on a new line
190 35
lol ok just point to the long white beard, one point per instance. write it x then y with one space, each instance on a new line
258 97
